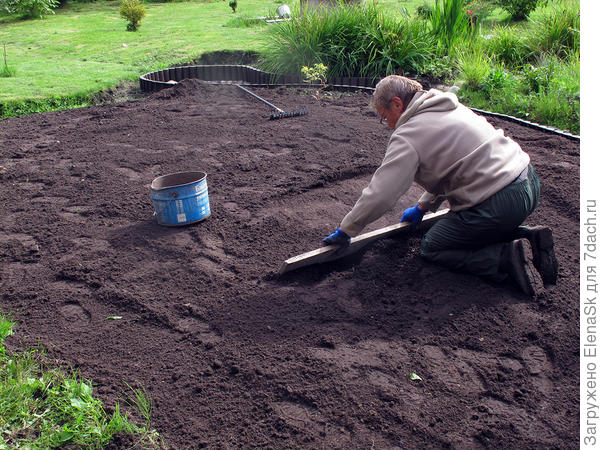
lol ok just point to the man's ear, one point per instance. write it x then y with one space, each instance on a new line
398 103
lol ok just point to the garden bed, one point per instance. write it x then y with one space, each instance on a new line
234 355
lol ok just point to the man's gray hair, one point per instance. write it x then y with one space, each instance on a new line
394 86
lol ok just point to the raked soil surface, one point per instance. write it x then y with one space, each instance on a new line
236 356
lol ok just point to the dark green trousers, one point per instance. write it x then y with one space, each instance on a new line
471 240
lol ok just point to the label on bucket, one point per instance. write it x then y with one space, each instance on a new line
180 211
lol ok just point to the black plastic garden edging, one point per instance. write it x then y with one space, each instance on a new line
166 78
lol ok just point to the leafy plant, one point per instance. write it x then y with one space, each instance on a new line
538 78
29 8
316 73
133 11
439 68
519 9
497 78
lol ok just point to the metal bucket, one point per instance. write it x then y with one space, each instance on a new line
180 198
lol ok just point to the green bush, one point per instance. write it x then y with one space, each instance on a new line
29 8
133 11
440 68
519 9
538 78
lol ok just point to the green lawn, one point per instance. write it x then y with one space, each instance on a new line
84 47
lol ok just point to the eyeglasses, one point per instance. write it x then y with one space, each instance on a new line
383 115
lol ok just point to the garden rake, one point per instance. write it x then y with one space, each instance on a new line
277 113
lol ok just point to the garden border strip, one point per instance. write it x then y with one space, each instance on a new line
166 78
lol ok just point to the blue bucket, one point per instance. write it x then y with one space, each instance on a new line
180 198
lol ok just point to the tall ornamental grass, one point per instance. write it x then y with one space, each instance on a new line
507 46
351 41
449 22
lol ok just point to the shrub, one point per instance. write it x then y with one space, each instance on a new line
439 68
133 11
314 74
519 9
29 8
497 79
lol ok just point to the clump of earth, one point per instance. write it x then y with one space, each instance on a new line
235 355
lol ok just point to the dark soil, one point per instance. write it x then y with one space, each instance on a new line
235 356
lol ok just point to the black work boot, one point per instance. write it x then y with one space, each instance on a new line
542 245
517 261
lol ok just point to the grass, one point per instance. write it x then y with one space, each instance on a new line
44 407
85 47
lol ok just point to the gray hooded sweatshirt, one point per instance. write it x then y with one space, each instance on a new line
450 151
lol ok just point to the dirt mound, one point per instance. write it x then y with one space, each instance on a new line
232 354
185 88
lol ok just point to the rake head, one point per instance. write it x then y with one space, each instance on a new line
283 114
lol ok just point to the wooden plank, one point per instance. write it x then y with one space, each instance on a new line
333 252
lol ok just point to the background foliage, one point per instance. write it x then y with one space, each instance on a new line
65 59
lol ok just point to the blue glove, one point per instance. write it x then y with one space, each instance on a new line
337 238
413 215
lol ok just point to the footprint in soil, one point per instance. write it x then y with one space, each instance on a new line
75 315
540 367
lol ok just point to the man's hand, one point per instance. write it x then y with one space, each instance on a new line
337 238
413 215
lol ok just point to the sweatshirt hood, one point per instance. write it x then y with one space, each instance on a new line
428 101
